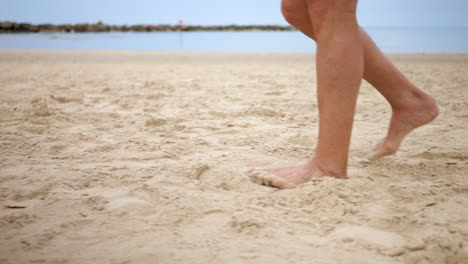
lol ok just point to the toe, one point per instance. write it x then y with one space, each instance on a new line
257 177
268 179
379 145
255 172
276 181
383 149
265 177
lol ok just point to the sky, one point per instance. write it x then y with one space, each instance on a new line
371 13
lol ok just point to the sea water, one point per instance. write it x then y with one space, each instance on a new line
389 39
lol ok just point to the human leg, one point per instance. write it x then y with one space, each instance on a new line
340 66
411 106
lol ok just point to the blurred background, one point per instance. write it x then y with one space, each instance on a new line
398 26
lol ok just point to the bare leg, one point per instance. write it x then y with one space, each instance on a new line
340 67
411 106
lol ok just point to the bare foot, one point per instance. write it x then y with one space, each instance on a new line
403 121
287 177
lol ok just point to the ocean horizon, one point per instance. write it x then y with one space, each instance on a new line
389 39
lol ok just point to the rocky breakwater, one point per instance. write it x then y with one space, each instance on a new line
14 27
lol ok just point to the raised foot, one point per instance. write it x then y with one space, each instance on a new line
287 177
404 121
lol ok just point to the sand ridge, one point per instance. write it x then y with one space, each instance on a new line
139 157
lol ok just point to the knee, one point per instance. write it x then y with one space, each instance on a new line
322 10
291 12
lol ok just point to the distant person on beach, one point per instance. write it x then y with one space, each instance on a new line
345 55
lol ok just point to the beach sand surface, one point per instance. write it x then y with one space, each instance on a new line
140 157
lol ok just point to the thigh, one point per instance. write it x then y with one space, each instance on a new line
296 13
297 7
320 10
320 7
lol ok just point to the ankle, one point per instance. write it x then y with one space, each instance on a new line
327 170
416 100
407 100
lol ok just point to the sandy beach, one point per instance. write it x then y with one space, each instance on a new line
140 157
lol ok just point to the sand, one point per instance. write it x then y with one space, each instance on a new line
138 157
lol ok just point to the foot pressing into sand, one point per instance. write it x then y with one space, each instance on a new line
420 112
288 177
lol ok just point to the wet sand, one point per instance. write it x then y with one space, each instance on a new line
139 157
